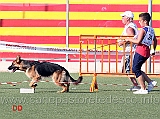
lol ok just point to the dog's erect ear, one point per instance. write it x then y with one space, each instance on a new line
18 58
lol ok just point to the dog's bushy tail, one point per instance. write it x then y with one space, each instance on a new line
76 82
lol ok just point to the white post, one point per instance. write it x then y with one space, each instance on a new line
150 12
67 27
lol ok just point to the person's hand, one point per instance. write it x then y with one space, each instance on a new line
127 39
152 52
120 42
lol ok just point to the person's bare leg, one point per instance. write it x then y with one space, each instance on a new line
146 78
141 82
134 81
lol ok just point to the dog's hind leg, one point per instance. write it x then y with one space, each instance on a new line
57 78
64 88
64 79
68 84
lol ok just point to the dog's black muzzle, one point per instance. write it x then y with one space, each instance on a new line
13 68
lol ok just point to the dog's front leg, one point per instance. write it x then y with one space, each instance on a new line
34 81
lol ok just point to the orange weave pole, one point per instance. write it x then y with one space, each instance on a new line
80 56
87 56
131 58
102 56
116 57
153 59
109 67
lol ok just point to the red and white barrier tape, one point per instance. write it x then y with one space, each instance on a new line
15 83
32 48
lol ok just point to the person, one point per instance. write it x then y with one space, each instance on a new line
130 29
146 37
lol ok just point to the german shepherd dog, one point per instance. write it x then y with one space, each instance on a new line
35 70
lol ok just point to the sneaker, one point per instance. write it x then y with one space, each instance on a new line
141 91
134 88
154 83
151 85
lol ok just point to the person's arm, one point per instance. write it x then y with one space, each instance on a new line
139 39
154 45
130 32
